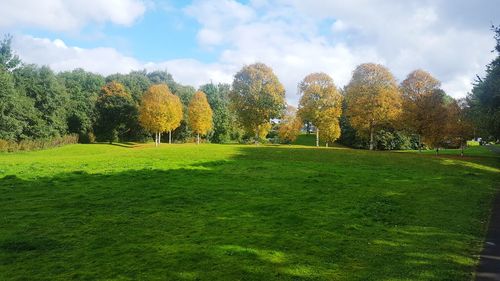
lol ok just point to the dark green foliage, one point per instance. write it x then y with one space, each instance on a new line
349 136
116 109
11 127
136 82
484 101
50 101
223 118
387 139
83 89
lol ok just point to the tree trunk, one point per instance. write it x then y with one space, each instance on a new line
462 148
257 135
156 139
198 138
170 137
317 136
371 137
326 144
419 143
159 138
437 151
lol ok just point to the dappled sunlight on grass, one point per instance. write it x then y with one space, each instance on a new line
469 165
231 212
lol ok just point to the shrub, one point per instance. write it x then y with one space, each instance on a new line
36 144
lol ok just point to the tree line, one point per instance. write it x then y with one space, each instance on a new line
372 111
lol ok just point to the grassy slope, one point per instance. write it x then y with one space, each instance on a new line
229 212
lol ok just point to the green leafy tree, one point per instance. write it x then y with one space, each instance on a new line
83 89
114 107
257 96
50 100
224 119
484 101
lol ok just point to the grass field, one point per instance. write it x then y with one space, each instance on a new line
235 212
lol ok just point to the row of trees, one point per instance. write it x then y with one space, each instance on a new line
372 111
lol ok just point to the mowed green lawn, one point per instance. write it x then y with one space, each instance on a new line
235 212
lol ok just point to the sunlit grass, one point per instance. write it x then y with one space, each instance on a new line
235 212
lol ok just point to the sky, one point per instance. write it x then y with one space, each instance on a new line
209 41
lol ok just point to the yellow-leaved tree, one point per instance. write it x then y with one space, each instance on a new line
153 110
160 111
290 125
174 116
321 104
373 99
200 115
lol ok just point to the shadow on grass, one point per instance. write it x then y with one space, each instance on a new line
268 213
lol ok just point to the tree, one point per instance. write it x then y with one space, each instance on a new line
114 107
372 98
459 126
257 96
224 119
154 110
329 125
49 97
290 125
174 115
484 101
200 115
436 118
83 89
11 123
413 89
321 104
8 60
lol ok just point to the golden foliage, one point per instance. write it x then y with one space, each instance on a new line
329 125
114 88
263 130
321 104
290 125
200 114
160 110
372 98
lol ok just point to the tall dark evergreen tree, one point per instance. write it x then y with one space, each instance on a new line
484 101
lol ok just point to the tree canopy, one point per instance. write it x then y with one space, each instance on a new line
321 104
373 99
257 96
200 115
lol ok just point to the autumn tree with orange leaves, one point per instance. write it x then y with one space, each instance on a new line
414 89
372 98
200 115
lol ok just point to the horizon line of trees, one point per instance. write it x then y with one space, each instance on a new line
372 111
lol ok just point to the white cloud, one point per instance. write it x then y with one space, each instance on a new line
68 15
61 57
287 36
